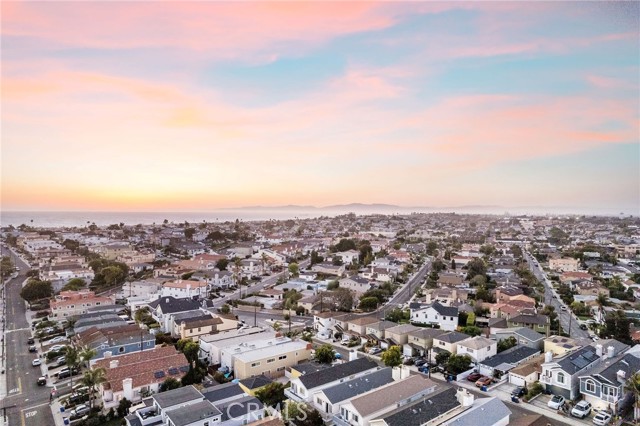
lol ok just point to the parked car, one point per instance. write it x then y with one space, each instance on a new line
474 377
420 362
80 410
57 348
42 381
518 392
484 381
65 372
556 402
375 350
583 326
33 348
602 418
36 362
581 410
75 399
30 341
61 361
58 339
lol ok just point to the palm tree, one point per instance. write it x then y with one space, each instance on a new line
632 385
91 379
602 301
237 263
72 359
86 354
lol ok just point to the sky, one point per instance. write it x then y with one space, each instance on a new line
194 106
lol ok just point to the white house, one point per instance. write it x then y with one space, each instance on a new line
446 317
478 348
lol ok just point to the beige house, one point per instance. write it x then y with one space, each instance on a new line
421 340
196 327
588 288
527 373
399 335
70 303
447 342
271 361
478 348
358 325
564 265
561 346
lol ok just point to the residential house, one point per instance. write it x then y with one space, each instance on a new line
421 340
527 373
492 411
193 326
113 341
375 332
71 303
478 348
604 387
500 364
348 256
399 335
252 384
356 284
304 387
561 376
163 308
184 288
539 323
524 336
328 268
328 401
211 346
447 342
137 374
436 314
357 327
271 361
560 345
564 265
361 410
590 288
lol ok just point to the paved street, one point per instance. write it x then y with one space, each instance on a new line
568 321
26 402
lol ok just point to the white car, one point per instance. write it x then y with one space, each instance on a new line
581 410
80 410
556 402
58 339
36 362
602 418
56 348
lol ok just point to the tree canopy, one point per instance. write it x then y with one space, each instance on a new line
392 357
271 394
325 354
36 290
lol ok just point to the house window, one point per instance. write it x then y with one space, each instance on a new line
560 378
279 368
282 357
255 364
270 360
590 386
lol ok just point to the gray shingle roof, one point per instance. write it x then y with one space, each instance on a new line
337 372
240 407
578 360
629 364
177 396
358 386
514 356
192 413
170 304
224 391
256 381
449 311
426 409
491 410
452 337
529 334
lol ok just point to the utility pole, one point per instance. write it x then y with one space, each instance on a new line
255 315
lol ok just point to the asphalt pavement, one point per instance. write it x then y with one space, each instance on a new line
568 321
26 403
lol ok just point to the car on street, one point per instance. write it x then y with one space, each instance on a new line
556 402
474 377
484 381
563 307
65 373
374 350
61 361
80 410
420 362
33 348
42 381
30 341
602 418
36 362
518 392
583 326
581 410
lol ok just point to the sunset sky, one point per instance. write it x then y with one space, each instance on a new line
164 106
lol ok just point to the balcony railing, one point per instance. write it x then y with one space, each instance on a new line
609 398
545 379
338 420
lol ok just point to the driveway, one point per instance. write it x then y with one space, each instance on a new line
541 402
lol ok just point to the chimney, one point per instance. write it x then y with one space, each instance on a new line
610 351
621 375
353 355
107 354
464 397
548 356
166 300
599 350
114 363
127 388
395 373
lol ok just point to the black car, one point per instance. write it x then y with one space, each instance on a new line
420 362
30 341
33 348
518 392
583 326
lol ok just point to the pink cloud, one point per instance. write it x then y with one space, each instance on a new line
225 29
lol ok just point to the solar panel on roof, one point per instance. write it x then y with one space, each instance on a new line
588 354
173 370
184 368
580 362
159 374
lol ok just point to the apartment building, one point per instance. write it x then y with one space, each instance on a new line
71 303
272 360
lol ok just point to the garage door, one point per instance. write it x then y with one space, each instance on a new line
516 380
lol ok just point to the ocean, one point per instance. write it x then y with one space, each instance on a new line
81 219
